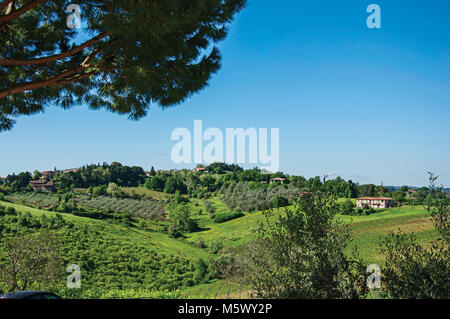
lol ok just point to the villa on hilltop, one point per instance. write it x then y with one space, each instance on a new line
278 180
41 185
71 170
375 202
47 174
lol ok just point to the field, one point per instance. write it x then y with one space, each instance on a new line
147 192
150 238
143 208
368 233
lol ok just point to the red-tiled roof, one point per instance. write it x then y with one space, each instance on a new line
37 182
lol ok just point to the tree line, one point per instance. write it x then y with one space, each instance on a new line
214 178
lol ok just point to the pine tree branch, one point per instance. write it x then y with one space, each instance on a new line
17 13
4 4
9 9
59 80
63 78
9 62
74 79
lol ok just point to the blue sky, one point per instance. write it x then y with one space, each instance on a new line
372 105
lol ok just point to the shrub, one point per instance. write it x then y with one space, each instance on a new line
180 216
201 270
414 271
357 212
174 184
280 201
99 190
301 255
103 293
223 266
209 207
188 282
224 217
201 243
10 211
173 231
215 246
347 207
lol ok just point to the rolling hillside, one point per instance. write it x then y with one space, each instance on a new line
141 242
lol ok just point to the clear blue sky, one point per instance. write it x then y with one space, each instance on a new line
370 105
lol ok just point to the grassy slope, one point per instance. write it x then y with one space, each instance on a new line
155 239
234 232
146 192
368 233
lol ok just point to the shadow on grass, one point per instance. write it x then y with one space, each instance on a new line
200 229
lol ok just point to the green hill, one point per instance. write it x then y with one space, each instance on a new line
143 256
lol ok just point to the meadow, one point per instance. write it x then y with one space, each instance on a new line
368 233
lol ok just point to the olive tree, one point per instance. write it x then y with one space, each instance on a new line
29 261
300 254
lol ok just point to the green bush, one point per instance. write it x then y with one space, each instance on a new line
357 212
188 282
224 217
180 216
280 201
201 243
347 207
10 211
173 231
210 209
215 246
97 293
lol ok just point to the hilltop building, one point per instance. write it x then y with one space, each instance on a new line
71 170
40 185
304 193
375 202
278 180
47 174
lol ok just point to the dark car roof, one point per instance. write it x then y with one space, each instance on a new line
23 294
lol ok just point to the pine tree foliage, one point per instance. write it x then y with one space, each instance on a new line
128 55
